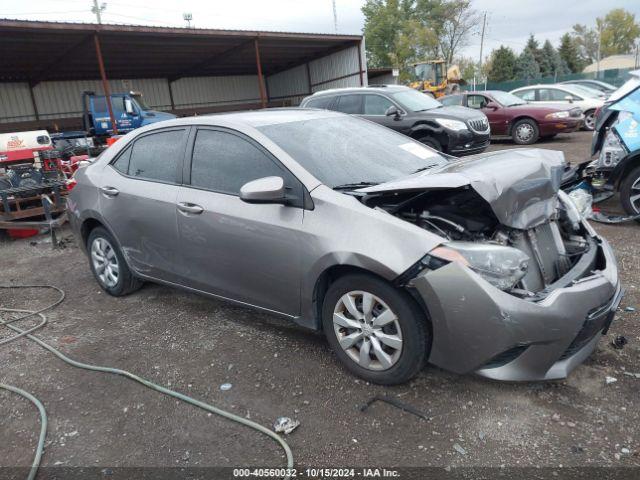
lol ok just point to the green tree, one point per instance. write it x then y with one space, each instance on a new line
384 23
586 41
502 65
399 32
547 60
619 32
526 66
534 47
456 27
568 52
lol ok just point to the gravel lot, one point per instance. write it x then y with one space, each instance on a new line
194 345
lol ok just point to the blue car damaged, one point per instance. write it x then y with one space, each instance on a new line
616 141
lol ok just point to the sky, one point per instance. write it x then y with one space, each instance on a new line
508 22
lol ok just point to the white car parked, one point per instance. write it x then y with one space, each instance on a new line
559 94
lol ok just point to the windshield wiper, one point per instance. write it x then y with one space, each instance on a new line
422 169
349 186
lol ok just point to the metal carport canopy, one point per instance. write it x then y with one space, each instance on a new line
34 51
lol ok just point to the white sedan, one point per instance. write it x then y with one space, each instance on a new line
559 94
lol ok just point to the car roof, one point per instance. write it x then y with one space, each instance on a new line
370 88
561 86
254 118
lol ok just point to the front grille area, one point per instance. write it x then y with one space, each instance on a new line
479 125
596 320
505 357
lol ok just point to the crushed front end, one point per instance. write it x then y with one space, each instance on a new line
521 287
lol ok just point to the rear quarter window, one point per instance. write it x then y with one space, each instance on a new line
320 102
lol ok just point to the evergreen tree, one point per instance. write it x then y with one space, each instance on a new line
548 62
570 54
526 66
502 65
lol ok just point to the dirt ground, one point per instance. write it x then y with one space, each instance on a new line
193 345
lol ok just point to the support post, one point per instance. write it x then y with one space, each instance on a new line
105 83
33 102
263 94
309 78
173 105
360 63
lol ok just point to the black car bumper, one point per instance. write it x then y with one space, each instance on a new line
467 143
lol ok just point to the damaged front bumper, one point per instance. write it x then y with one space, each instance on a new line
478 328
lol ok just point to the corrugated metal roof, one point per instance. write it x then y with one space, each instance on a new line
37 51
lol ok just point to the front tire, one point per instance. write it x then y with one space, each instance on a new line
377 331
630 192
525 132
108 264
431 142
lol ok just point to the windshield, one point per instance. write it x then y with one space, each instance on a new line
507 99
140 101
628 87
586 91
416 101
344 150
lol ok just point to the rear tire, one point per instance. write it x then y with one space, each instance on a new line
630 192
589 120
108 264
386 341
525 132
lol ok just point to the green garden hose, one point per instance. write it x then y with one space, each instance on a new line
96 368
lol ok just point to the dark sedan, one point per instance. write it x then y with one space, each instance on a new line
454 130
511 116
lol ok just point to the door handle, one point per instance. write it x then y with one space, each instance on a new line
110 191
190 208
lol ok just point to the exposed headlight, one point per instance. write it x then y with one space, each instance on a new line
612 151
503 267
551 116
451 124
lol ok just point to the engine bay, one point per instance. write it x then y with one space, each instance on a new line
553 247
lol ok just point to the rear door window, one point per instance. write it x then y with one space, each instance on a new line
157 156
351 104
376 105
527 95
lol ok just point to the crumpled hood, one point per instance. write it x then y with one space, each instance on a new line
520 185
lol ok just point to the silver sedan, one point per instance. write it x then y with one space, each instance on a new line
399 254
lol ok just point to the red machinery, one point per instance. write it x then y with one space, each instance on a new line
33 182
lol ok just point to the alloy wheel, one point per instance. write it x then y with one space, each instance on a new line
367 330
634 197
590 121
524 132
105 262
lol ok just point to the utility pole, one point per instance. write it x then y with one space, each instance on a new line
97 10
484 23
335 17
599 44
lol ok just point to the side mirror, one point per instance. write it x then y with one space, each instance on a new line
393 111
569 98
491 105
263 190
128 106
